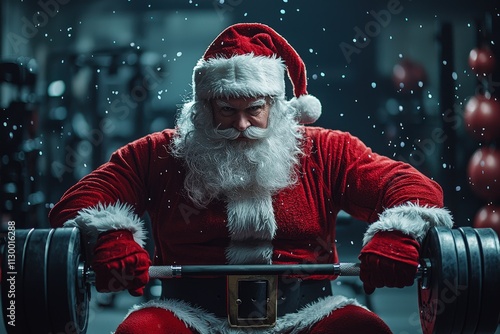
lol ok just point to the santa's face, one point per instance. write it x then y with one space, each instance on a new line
237 147
240 113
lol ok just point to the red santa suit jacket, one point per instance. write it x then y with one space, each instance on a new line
337 172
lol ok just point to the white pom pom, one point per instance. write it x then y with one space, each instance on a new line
308 108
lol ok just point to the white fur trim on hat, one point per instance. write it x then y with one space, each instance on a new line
241 75
411 219
102 218
308 108
207 323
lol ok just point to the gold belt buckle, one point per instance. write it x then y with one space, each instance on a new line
266 316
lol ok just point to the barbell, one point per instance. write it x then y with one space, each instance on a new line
46 280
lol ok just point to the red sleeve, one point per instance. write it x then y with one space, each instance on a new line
121 179
369 183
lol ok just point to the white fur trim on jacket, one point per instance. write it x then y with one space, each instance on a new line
250 251
252 227
207 323
102 218
411 219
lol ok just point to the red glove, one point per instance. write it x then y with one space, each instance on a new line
120 263
389 259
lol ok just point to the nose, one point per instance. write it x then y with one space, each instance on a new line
241 122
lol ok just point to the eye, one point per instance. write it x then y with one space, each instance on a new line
255 110
226 110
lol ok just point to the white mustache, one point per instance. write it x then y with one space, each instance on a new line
252 132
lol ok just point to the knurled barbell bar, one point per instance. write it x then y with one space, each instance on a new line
46 280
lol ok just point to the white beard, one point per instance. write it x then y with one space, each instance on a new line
243 173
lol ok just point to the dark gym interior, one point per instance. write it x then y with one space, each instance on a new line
81 78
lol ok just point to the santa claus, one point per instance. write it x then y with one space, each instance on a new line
242 180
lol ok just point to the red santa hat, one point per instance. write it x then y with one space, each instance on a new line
250 59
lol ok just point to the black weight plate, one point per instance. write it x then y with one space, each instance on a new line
35 283
68 304
437 310
490 307
475 279
460 288
15 318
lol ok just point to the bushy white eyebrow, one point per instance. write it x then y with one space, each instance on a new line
256 103
222 104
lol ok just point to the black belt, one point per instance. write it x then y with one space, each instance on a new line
210 293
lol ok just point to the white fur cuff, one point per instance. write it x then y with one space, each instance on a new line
101 218
411 219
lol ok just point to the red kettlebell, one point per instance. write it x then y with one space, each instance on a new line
482 60
483 171
482 118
